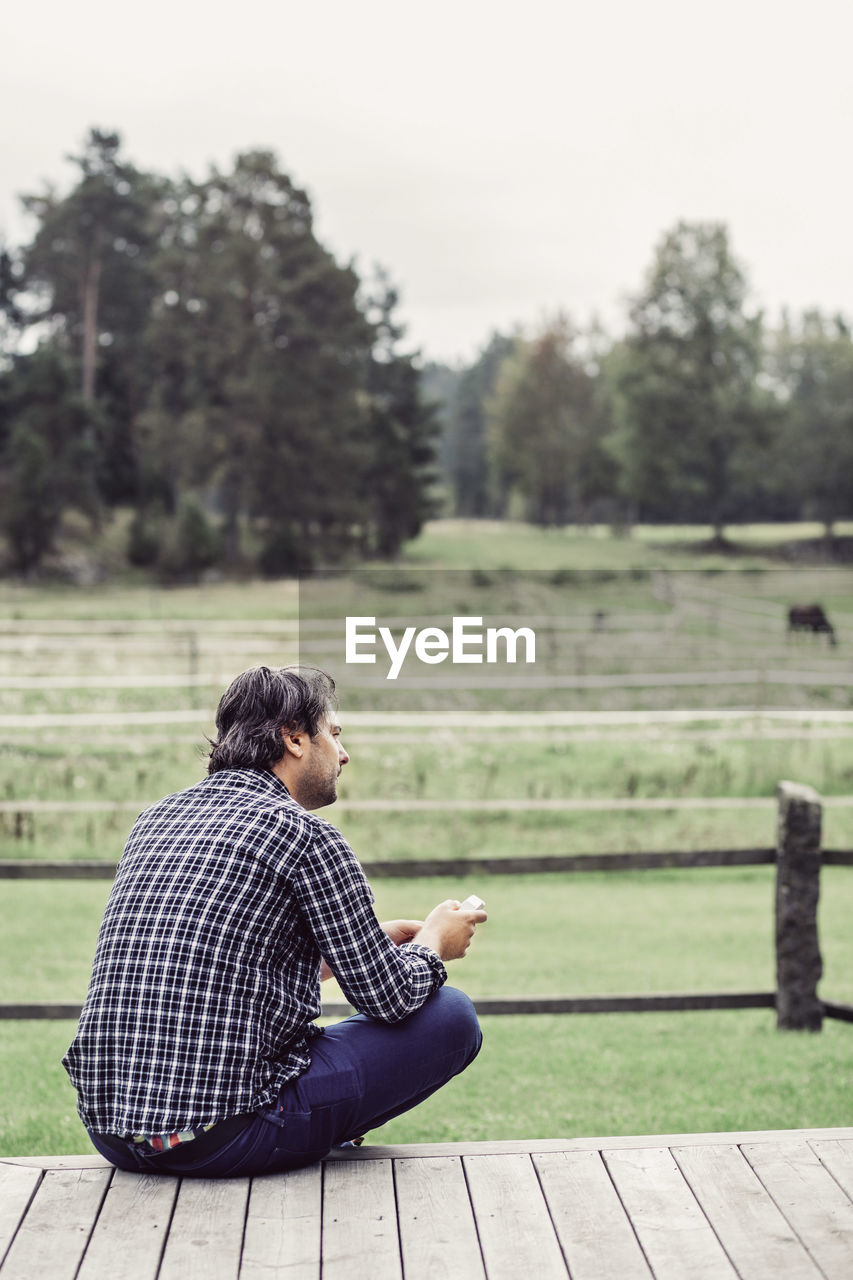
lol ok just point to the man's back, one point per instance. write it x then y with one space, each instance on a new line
202 973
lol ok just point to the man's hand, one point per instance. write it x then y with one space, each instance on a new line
401 930
448 929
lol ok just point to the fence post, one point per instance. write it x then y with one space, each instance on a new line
798 960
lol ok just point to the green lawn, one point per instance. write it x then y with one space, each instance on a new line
497 544
608 1074
538 1076
146 602
581 934
455 765
470 834
526 765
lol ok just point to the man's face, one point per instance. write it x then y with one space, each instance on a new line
321 765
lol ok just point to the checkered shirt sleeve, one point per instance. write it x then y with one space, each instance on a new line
377 977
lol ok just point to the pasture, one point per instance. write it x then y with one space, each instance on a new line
460 544
668 703
537 1076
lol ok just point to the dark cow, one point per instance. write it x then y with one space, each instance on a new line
810 617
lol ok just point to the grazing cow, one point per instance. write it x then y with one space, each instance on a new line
810 617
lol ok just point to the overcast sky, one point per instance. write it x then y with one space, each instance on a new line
502 161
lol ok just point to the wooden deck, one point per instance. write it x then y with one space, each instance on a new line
768 1206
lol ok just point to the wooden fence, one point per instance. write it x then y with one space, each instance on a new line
798 858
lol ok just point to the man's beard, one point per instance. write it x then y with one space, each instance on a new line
318 790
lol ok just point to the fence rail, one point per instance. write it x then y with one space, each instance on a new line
549 680
503 1005
520 1005
423 868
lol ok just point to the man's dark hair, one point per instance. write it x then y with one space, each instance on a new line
258 705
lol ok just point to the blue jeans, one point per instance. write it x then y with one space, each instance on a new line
362 1073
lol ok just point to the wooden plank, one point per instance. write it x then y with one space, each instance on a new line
425 1150
509 804
841 1012
570 863
811 1200
659 1003
595 1233
438 1236
54 1234
836 1155
500 1006
416 868
672 1229
526 865
131 1230
837 857
753 1232
206 1234
91 1160
284 1226
17 1188
72 806
73 869
516 1233
40 1012
360 1222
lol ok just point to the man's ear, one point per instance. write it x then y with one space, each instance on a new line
293 740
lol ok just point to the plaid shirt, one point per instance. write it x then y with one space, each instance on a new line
206 979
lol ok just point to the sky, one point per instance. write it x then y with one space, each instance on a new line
503 161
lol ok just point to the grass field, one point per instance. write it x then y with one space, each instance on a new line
492 544
525 766
537 1076
639 932
544 764
75 665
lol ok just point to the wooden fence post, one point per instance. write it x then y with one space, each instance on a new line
798 961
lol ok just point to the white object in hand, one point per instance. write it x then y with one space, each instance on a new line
473 903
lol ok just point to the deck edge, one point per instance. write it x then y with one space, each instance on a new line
533 1146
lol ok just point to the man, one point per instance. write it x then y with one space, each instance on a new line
196 1051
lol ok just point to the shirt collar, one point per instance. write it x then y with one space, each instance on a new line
261 780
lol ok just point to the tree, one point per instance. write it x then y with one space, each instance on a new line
692 420
466 448
545 427
402 430
439 384
45 462
812 362
226 372
11 317
257 353
88 263
86 276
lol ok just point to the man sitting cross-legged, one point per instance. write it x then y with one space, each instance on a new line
197 1051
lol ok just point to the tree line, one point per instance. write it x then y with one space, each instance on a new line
185 353
699 412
